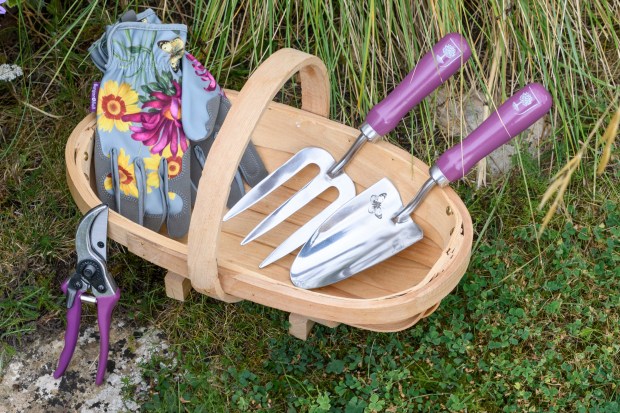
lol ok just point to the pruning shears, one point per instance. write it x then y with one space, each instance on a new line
90 283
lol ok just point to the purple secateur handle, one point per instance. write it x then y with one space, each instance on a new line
444 60
74 315
514 116
105 306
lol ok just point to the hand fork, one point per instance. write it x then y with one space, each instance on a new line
445 59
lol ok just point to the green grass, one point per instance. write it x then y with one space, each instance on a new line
533 325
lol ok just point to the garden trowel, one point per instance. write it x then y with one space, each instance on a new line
445 59
375 225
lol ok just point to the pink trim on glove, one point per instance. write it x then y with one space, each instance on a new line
202 72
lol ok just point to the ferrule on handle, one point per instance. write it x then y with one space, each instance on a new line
515 115
444 60
338 167
436 178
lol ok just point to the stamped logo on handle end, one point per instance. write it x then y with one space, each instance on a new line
526 102
449 53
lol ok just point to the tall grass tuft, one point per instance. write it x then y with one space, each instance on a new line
572 47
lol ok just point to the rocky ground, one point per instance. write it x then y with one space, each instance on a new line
27 384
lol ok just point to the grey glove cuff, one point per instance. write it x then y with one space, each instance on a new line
251 167
99 49
237 190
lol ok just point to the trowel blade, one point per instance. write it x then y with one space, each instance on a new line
357 236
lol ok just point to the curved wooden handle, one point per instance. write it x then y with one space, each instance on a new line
226 152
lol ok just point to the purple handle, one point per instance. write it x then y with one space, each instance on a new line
514 116
444 60
105 306
74 314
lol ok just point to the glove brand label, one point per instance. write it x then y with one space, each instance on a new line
94 92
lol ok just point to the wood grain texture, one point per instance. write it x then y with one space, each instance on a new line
177 286
300 325
390 296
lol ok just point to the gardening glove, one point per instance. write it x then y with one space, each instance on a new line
205 108
141 151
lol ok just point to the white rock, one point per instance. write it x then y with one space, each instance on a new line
10 72
27 383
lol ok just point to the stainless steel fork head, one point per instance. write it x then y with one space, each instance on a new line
303 158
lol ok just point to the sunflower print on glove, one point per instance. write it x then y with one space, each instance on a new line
126 175
175 167
114 102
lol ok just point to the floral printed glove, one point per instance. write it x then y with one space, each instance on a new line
141 150
198 94
204 108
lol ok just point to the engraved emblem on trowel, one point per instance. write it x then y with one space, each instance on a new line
375 205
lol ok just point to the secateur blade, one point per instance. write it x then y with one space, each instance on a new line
445 59
375 225
91 235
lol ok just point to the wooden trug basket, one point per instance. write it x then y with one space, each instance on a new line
391 296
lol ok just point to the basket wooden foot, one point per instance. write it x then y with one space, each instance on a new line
177 286
302 325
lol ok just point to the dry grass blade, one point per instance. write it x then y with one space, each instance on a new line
551 189
558 186
608 138
491 82
28 105
560 180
